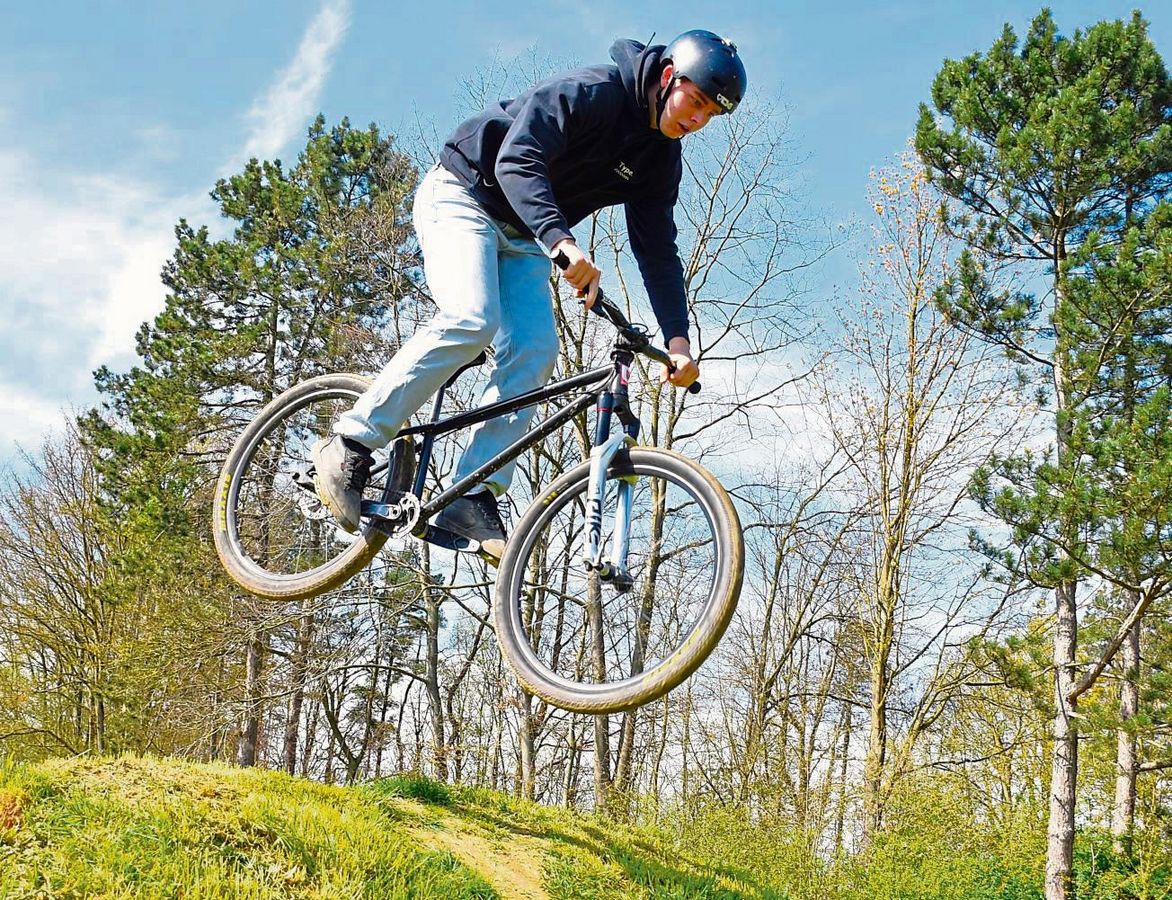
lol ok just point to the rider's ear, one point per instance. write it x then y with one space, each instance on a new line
665 75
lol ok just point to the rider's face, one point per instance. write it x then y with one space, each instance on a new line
688 108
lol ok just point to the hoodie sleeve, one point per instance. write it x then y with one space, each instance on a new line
652 229
538 136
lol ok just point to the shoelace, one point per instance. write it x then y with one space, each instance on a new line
491 508
356 467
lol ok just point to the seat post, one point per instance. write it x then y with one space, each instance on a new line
426 444
429 440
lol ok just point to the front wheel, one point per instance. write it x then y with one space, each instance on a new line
600 646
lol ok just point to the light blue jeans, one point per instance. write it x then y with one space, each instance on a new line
491 285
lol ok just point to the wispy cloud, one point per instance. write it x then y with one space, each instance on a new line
81 252
67 258
278 115
25 418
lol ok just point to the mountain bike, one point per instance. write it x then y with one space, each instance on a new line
616 583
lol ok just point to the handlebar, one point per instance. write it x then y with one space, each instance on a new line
636 335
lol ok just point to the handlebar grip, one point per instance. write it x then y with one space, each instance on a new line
693 388
602 307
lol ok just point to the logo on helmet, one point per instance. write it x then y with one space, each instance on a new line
724 101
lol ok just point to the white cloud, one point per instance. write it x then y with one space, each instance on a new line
278 115
81 252
65 254
24 419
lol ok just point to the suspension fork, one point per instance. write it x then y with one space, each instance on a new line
602 455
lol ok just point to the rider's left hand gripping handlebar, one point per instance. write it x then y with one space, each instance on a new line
603 307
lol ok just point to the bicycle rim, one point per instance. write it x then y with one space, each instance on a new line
583 644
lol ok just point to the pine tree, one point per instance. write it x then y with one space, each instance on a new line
319 256
1047 145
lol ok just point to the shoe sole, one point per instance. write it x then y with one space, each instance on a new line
490 550
324 496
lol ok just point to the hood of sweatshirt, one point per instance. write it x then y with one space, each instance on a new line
639 67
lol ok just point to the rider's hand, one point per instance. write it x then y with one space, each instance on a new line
686 371
581 273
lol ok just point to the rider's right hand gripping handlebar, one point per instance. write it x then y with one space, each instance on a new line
607 310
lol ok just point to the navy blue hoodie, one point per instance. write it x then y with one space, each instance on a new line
572 145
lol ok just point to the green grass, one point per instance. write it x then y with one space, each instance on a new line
413 787
147 828
162 828
159 828
590 857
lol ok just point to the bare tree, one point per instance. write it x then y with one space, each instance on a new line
913 406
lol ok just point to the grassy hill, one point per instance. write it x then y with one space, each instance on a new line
132 827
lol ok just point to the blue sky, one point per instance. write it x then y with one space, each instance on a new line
117 121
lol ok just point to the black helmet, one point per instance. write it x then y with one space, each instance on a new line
711 63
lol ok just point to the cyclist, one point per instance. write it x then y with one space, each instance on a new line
509 185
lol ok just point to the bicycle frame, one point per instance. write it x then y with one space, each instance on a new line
606 387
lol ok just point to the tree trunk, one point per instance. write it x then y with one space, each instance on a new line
1064 763
384 708
100 722
297 676
623 774
330 747
573 766
686 746
216 737
494 748
602 778
528 750
844 763
876 760
1123 814
431 681
310 738
434 700
248 751
660 749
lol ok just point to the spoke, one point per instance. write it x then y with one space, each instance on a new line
280 525
671 559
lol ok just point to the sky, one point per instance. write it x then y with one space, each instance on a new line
115 123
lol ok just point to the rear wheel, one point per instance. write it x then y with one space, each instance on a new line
272 534
579 641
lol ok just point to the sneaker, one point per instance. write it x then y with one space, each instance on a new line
341 469
477 518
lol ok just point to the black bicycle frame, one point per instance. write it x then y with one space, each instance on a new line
606 385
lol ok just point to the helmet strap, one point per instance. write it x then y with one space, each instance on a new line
661 98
